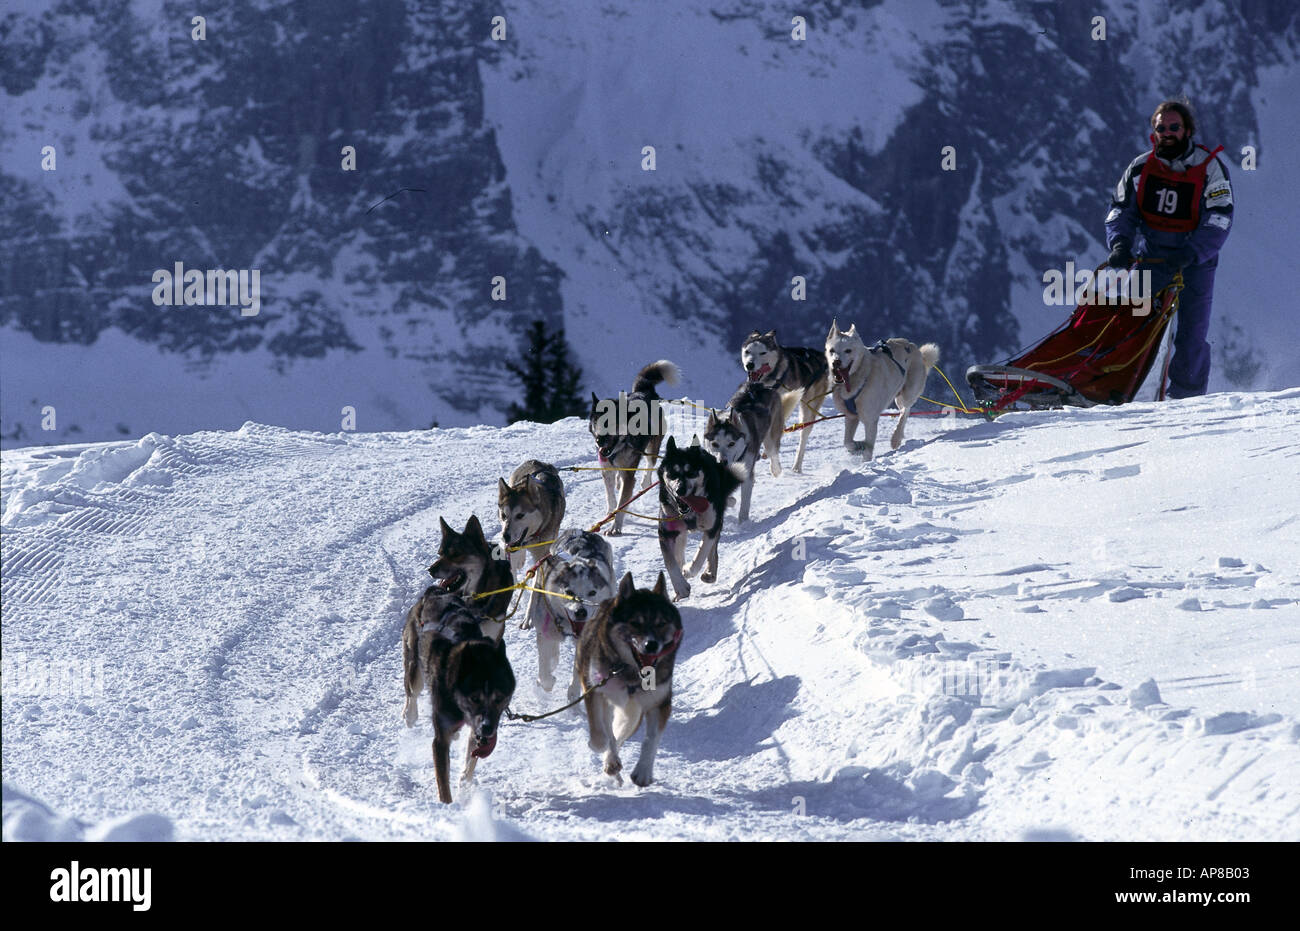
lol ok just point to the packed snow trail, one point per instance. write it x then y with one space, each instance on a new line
951 642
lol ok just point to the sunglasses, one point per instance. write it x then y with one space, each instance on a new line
1169 128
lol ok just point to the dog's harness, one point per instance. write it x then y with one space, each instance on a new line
883 346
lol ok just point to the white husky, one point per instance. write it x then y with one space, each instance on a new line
865 379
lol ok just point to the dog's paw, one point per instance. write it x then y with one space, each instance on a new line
682 596
613 766
613 532
708 577
546 683
776 468
409 713
642 777
526 624
575 691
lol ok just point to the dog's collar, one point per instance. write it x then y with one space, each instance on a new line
645 660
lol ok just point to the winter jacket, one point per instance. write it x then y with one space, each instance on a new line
1125 220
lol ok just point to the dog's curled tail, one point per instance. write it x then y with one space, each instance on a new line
929 355
656 372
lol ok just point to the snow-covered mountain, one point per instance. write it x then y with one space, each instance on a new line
522 157
1061 625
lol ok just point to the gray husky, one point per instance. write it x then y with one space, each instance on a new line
693 495
628 429
576 580
867 379
469 678
630 647
798 373
531 506
753 416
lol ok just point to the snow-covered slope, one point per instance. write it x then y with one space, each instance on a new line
1076 624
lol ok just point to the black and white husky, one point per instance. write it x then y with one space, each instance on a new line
798 373
693 492
752 417
628 429
576 579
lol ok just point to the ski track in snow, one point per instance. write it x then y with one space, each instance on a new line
1078 624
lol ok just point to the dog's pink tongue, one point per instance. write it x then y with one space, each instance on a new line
484 750
697 503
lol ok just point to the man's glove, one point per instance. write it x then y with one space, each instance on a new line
1121 256
1181 257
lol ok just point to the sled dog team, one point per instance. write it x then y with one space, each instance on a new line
626 637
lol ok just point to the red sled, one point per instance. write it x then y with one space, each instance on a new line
1101 355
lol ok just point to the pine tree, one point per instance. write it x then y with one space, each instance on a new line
532 377
549 380
565 382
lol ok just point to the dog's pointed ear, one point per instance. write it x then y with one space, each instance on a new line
502 490
753 335
445 527
626 587
770 334
474 530
661 587
835 329
713 419
672 445
853 331
595 401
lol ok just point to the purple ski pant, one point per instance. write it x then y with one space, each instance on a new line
1189 369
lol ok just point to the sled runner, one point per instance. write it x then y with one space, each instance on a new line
1101 355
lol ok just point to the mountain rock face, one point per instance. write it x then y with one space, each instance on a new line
524 158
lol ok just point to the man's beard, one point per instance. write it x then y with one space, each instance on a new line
1171 148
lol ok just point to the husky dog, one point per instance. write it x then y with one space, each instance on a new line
580 566
693 490
468 565
532 506
752 417
627 430
799 374
630 647
867 378
469 679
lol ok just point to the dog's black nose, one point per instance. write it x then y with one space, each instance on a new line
580 614
651 646
749 366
